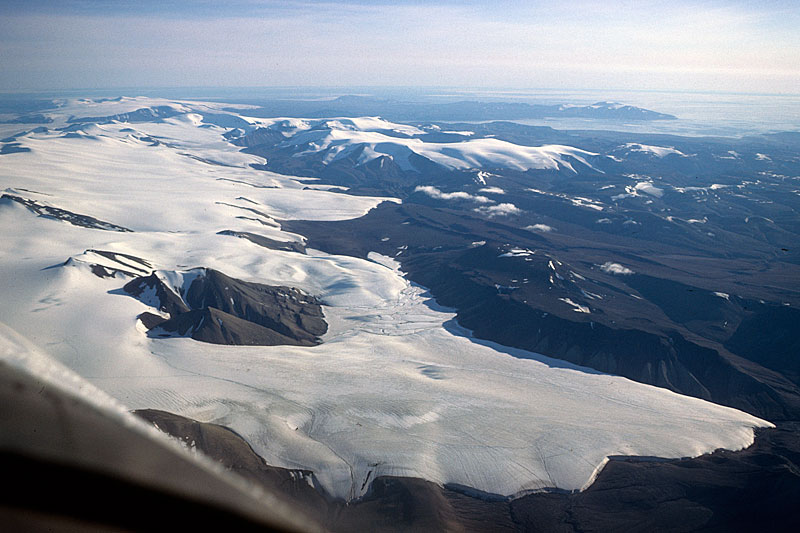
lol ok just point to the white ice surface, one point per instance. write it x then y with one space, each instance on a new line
397 388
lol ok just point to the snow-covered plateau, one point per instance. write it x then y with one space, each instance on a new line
396 387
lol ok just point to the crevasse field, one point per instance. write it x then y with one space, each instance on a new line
396 388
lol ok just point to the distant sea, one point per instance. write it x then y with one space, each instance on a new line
699 113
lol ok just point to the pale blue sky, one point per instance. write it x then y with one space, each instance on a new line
644 44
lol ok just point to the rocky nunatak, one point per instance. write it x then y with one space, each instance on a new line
209 306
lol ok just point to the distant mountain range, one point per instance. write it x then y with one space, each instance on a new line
358 106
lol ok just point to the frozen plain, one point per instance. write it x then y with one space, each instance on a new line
395 389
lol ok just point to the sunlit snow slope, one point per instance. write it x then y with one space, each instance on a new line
395 389
369 138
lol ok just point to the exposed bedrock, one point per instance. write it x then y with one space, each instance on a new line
266 242
209 306
666 359
57 213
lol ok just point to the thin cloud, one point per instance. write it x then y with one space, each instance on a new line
433 192
615 268
504 209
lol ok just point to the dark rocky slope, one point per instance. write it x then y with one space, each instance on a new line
266 242
219 309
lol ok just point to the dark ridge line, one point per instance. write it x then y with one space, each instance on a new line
84 221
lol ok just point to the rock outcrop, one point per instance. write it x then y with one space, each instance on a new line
209 306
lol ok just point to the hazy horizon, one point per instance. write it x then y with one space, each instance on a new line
651 45
332 91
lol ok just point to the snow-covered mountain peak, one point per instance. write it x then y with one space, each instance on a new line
653 151
369 138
